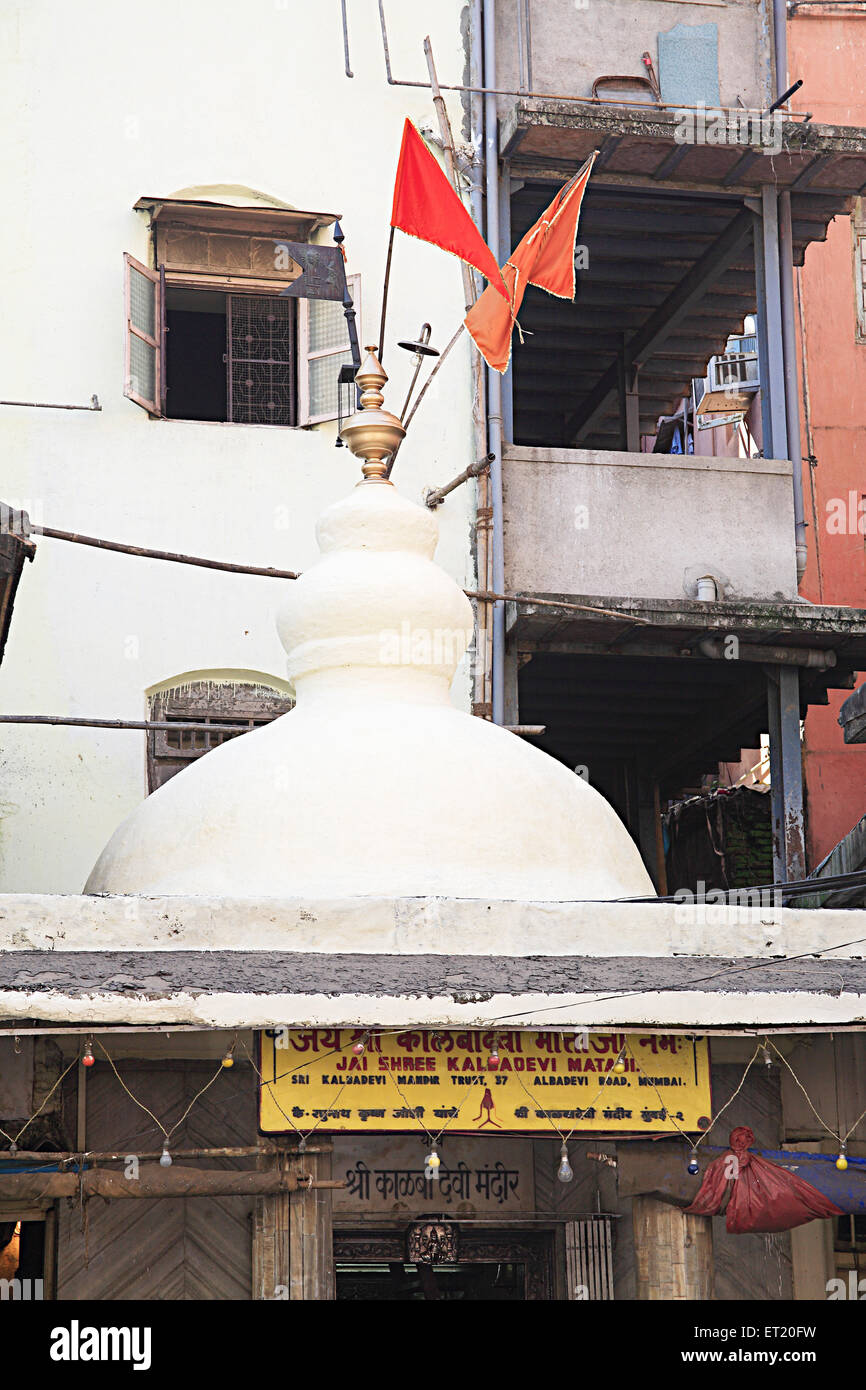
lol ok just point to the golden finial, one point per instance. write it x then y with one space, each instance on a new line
372 433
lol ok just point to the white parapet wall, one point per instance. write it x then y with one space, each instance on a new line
592 521
426 926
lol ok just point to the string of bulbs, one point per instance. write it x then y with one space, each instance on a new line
432 1161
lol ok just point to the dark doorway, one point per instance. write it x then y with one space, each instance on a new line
196 355
400 1282
492 1265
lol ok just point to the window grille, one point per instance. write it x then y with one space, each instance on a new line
229 709
260 333
589 1258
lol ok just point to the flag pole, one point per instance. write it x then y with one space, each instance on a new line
421 394
385 295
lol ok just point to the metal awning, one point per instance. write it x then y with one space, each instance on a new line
609 691
668 232
254 215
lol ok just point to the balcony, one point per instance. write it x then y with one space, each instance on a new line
586 521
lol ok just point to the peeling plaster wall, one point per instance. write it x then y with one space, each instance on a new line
99 110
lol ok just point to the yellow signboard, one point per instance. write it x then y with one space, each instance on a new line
478 1081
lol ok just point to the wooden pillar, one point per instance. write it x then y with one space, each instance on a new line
293 1244
673 1252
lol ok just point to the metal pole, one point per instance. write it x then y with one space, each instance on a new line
792 392
792 773
780 45
761 325
505 242
385 294
482 700
777 789
143 553
775 342
494 380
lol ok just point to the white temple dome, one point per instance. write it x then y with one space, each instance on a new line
374 784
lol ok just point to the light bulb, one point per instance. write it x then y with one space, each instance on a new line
766 1058
88 1058
431 1166
842 1160
228 1060
619 1064
359 1047
13 1147
565 1172
493 1059
165 1156
693 1166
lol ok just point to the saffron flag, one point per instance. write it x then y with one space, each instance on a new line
426 206
545 257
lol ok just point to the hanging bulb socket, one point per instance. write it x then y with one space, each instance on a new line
432 1164
228 1058
842 1160
302 1145
165 1156
564 1172
493 1059
87 1058
693 1166
619 1064
360 1046
13 1147
766 1056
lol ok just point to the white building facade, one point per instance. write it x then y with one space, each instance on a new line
262 119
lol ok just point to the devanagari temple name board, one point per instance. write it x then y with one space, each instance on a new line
311 1077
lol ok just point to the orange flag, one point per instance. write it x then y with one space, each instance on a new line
545 257
426 206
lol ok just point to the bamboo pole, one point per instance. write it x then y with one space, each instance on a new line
87 1156
155 1181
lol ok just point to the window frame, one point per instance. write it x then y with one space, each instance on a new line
156 407
305 356
230 708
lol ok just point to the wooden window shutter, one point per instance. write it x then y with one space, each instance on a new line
589 1258
144 300
323 347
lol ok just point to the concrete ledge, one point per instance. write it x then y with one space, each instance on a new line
688 1008
424 926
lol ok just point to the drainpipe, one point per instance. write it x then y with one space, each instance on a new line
494 380
789 337
484 630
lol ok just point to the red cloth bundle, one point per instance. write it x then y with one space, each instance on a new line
763 1197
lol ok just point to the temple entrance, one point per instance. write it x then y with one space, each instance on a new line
490 1266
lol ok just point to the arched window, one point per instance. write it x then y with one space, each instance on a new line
225 707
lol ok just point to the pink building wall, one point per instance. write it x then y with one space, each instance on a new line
829 53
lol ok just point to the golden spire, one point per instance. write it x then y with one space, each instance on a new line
372 433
